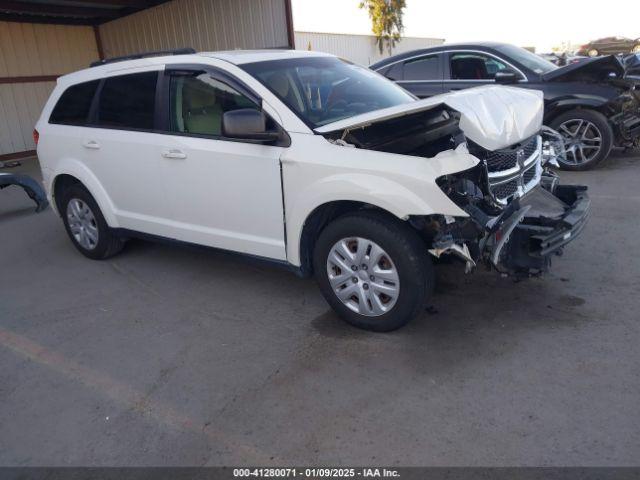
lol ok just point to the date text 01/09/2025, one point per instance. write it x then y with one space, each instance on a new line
315 473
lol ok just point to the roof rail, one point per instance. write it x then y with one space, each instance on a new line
177 51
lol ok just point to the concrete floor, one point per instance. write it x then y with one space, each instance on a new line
174 356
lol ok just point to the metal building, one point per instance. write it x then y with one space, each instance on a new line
361 49
43 39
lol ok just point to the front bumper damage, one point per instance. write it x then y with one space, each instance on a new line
538 227
627 128
516 234
31 187
524 237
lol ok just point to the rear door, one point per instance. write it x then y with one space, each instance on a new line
123 150
422 75
222 192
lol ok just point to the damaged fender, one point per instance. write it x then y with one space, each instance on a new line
31 187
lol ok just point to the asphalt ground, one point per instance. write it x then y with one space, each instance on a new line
176 356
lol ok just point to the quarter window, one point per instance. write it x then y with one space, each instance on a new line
74 104
128 101
424 68
198 103
394 72
474 66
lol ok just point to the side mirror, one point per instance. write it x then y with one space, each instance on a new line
247 124
506 77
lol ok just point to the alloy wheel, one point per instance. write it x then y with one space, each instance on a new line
363 276
82 224
583 141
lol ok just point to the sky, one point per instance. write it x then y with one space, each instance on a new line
542 24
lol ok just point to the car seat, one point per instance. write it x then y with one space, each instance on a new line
469 68
202 112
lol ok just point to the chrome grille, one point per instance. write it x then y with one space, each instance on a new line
529 175
512 171
505 190
508 157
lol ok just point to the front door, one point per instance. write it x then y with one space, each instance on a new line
222 192
471 69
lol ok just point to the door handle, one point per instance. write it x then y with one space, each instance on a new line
92 144
174 154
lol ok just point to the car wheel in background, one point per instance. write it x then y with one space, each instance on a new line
588 138
636 49
593 52
86 225
373 270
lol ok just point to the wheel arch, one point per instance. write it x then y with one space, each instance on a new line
320 217
74 173
557 108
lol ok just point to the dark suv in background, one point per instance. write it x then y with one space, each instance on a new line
590 103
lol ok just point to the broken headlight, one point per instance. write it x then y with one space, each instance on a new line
553 148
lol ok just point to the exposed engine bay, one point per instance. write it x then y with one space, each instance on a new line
519 215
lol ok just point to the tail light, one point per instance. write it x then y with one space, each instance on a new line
36 136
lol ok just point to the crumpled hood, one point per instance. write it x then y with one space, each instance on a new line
492 116
598 68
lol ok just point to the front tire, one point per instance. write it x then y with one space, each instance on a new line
373 270
86 225
588 138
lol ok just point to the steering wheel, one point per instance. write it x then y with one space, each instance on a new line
333 106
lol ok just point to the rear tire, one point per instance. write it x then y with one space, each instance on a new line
86 225
580 128
392 290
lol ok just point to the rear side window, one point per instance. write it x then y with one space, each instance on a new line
74 104
394 72
425 68
128 101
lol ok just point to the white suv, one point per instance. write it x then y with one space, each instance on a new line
309 161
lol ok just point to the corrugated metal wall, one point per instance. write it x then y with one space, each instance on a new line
20 107
28 49
202 24
34 50
361 49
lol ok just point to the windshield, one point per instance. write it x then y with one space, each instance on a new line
321 90
530 60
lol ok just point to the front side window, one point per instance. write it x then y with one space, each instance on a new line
423 68
474 66
321 90
74 104
128 101
197 104
530 60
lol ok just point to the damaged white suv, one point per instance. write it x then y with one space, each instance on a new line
307 160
